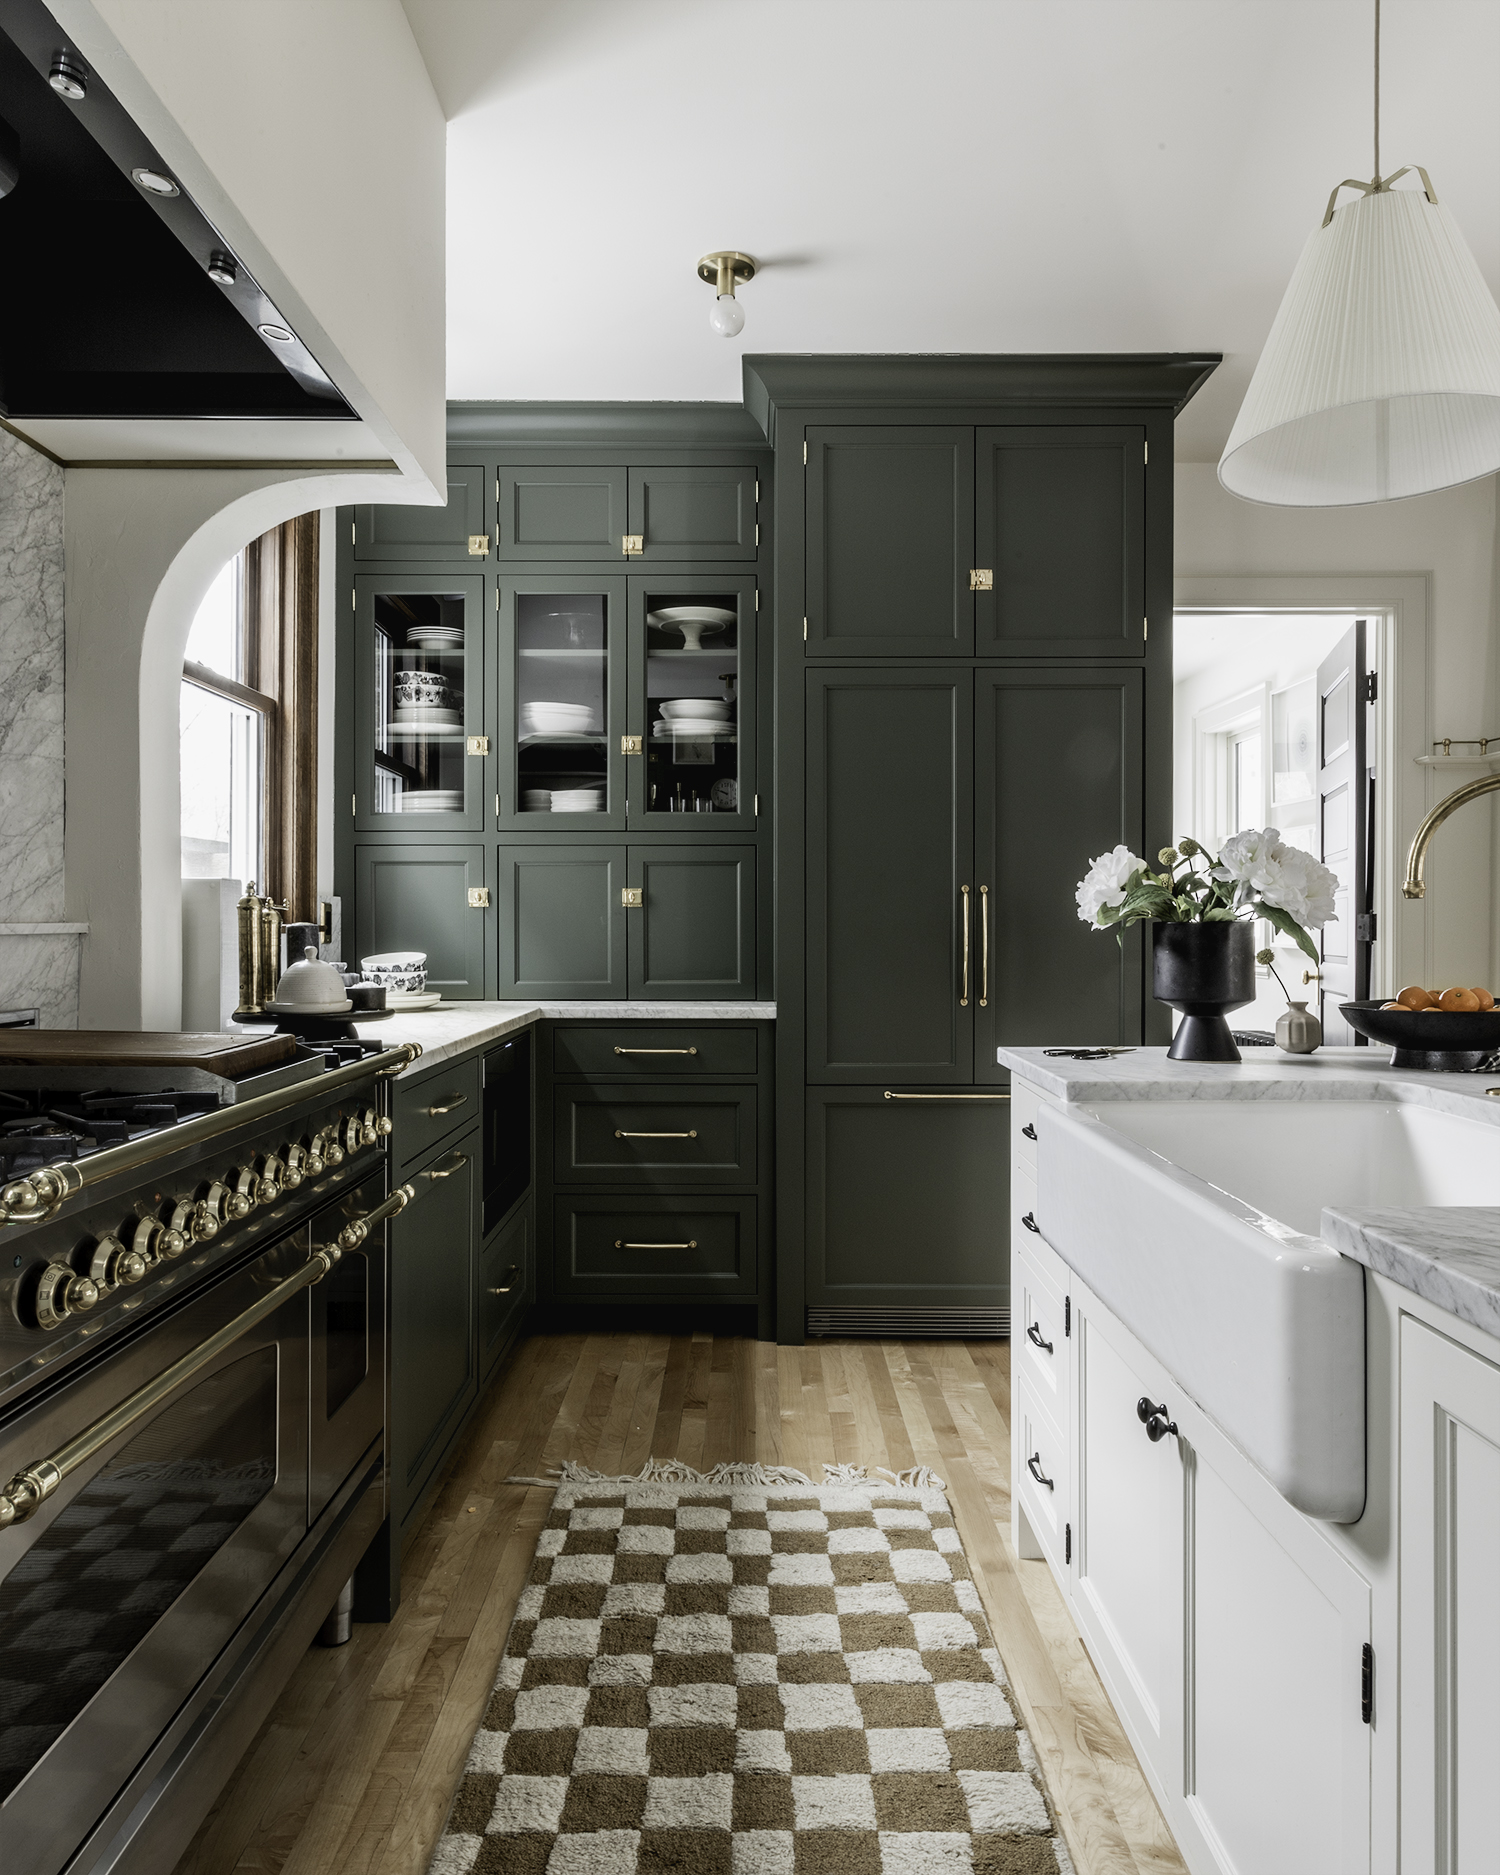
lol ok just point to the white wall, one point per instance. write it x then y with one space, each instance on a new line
1451 540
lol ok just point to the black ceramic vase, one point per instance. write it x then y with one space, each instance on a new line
1204 970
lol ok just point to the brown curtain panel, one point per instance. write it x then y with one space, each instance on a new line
281 615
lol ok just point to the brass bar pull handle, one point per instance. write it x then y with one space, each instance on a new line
890 1096
963 1001
656 1051
984 946
691 1244
35 1483
357 1229
692 1133
449 1166
513 1272
450 1105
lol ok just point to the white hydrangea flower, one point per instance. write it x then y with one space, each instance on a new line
1269 871
1105 882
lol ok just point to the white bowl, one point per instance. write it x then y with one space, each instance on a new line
699 708
579 710
397 970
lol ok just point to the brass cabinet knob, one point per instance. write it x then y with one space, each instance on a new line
61 1293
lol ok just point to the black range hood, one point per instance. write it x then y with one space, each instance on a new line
109 308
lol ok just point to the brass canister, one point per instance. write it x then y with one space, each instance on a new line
248 915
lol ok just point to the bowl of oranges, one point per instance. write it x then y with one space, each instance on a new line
1452 1029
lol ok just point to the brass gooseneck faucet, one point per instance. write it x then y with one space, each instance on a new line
1416 859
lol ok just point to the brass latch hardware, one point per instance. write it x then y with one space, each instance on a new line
632 545
630 745
479 745
981 579
479 545
479 898
632 897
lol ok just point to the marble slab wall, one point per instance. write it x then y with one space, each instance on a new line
38 952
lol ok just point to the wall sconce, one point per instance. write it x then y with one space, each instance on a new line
722 271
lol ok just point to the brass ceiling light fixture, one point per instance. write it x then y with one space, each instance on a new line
722 271
1381 374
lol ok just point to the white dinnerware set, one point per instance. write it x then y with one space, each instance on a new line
558 719
585 800
697 719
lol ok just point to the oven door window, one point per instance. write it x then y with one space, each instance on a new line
113 1561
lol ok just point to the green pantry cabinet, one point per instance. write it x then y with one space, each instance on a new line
550 739
973 697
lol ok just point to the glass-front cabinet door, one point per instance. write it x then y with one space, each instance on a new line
561 705
692 702
419 643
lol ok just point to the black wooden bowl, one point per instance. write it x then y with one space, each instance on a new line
1448 1042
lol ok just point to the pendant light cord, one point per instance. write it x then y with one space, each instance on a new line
1377 92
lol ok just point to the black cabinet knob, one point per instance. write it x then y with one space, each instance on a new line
1034 1335
1034 1466
1028 1131
1154 1419
1031 1224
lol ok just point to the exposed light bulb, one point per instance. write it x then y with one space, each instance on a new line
726 317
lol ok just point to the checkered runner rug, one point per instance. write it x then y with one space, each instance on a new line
750 1674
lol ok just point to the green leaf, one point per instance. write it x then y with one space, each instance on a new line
1218 914
1289 927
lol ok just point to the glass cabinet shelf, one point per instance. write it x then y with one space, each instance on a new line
420 689
692 681
563 651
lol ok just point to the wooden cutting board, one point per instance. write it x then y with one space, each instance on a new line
217 1054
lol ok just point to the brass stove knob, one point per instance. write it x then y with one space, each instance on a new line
294 1167
384 1126
314 1164
333 1152
219 1205
191 1222
352 1134
156 1242
272 1174
244 1191
112 1264
369 1127
61 1293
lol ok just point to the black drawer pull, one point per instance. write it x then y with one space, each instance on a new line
1034 1334
1031 1224
692 1133
513 1272
1154 1419
656 1051
691 1244
450 1105
1034 1466
1028 1131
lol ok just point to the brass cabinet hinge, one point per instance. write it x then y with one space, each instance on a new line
353 600
804 455
757 533
981 579
757 598
804 631
479 898
479 745
1145 453
479 545
631 745
1145 629
497 803
353 806
757 491
353 535
632 545
755 805
632 897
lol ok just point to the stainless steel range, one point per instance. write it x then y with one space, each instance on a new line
192 1423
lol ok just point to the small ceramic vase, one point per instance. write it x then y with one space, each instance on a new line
1298 1031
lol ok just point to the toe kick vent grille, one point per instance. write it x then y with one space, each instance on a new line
911 1324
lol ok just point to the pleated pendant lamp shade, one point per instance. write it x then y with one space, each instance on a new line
1381 376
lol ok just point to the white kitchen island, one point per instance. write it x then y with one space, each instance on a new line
1256 1437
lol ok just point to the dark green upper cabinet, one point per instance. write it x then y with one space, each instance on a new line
1058 777
889 853
890 540
561 921
563 514
460 531
695 513
417 898
692 935
1060 525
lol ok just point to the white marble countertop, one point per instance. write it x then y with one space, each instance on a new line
452 1029
1449 1254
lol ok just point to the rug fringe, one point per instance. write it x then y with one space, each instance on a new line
673 1471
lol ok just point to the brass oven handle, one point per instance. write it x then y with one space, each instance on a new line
514 1270
448 1106
963 1001
449 1167
35 1483
37 1196
656 1051
692 1133
691 1244
890 1096
984 946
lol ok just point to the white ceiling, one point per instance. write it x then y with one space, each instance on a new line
920 175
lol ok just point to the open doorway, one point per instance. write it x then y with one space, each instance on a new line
1271 728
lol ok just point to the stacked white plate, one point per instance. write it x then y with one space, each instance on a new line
701 718
557 719
437 637
427 716
578 800
410 1000
432 800
536 800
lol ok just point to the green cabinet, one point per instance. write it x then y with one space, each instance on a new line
506 1286
692 934
699 513
425 898
693 685
564 513
561 922
907 1211
458 531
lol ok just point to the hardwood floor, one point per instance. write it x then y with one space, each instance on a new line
353 1771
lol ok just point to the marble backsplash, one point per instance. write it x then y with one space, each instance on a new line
38 966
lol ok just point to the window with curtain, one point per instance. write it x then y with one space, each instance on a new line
249 721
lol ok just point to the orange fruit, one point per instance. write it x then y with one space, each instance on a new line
1486 1001
1415 997
1458 1001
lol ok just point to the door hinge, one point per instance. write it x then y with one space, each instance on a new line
479 545
353 535
497 804
757 491
1145 629
479 898
1367 1683
755 805
981 579
757 533
630 745
353 600
478 745
1067 1315
632 897
1067 1542
632 545
353 806
1364 927
1372 686
804 631
804 455
497 598
757 598
1145 452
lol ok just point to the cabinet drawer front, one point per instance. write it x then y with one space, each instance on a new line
425 1111
1042 1482
1025 1104
505 1285
1040 1339
638 1048
691 1134
616 1247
